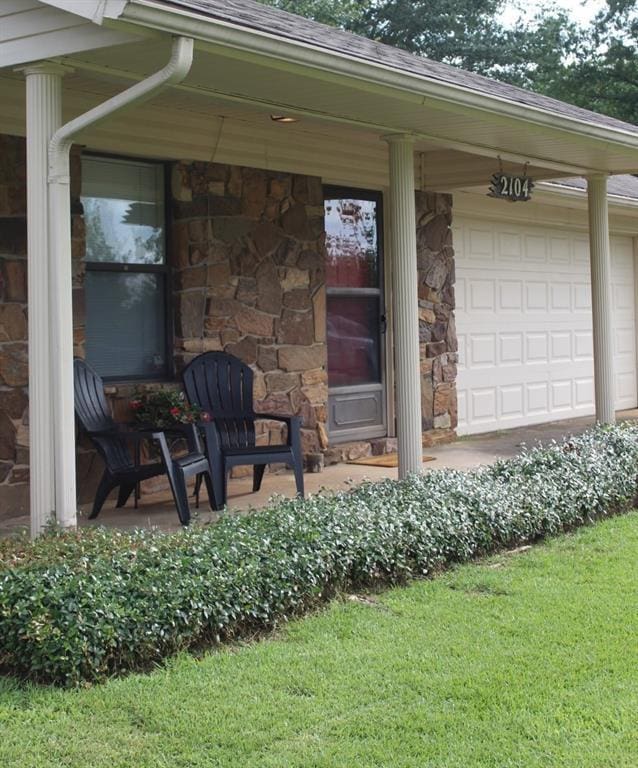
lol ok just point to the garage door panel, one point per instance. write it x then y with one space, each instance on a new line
561 297
623 298
482 350
510 295
561 346
582 297
480 244
536 348
535 248
524 325
511 401
559 250
583 346
625 387
481 295
562 395
511 349
510 247
459 294
580 250
622 255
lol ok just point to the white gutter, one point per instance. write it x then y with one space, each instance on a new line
59 210
417 88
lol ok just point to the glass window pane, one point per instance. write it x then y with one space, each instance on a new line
125 332
351 243
353 340
123 211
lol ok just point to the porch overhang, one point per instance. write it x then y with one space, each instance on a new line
241 75
472 126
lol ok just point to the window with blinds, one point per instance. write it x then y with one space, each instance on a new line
126 269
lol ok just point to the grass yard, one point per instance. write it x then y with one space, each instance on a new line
526 659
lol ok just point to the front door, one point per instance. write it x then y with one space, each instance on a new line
355 317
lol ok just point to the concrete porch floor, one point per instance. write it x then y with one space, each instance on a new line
464 453
157 510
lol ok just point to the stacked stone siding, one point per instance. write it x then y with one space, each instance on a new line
249 279
437 330
14 374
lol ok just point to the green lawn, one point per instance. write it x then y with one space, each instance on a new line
527 659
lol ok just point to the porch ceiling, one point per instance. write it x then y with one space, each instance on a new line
222 112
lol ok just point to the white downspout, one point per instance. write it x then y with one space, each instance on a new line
59 207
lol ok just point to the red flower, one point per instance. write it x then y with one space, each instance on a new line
135 404
175 411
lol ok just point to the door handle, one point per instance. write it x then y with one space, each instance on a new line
383 322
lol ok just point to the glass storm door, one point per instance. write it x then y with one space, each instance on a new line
355 316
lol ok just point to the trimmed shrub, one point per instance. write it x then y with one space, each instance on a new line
87 605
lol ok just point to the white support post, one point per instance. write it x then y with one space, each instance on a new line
600 259
405 303
44 117
61 304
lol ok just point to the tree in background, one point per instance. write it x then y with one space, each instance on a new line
602 73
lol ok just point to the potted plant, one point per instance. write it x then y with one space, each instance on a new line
165 408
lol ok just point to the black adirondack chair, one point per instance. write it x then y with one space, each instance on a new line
112 441
222 386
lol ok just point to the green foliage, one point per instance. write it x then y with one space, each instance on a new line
77 610
602 71
165 408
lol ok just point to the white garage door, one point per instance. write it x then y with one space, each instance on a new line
524 325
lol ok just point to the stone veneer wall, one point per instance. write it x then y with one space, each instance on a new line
14 374
249 278
437 329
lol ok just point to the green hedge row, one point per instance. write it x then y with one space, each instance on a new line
82 607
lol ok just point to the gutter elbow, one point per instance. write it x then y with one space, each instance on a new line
181 60
174 72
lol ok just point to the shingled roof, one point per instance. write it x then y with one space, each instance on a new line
254 15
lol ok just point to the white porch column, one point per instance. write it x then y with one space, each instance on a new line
405 303
605 382
44 117
61 305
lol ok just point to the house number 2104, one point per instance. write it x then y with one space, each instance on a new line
513 188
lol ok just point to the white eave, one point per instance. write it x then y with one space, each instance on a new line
346 103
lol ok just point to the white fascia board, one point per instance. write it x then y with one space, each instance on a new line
415 87
94 10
